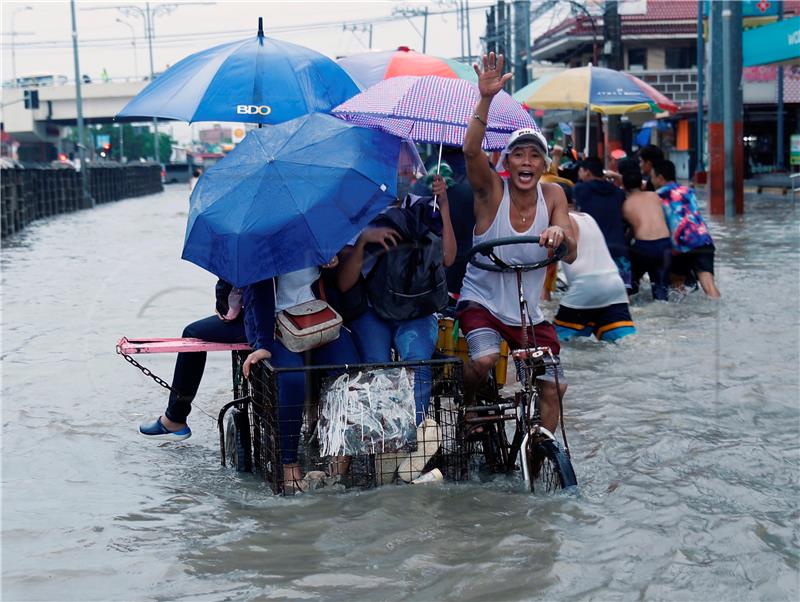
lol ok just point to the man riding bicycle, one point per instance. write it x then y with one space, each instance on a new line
519 205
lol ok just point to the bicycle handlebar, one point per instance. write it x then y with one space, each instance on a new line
498 265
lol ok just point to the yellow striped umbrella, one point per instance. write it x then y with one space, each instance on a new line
597 89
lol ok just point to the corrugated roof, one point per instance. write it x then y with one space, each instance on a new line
662 11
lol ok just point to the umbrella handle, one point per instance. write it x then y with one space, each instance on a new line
439 173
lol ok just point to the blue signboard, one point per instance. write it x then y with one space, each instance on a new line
777 42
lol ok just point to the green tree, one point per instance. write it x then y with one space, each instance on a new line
138 142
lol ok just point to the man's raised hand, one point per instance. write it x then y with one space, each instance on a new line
491 79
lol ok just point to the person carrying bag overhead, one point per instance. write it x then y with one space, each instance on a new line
399 259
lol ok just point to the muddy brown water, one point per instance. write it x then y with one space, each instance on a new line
685 440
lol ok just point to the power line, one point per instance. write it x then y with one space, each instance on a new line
177 39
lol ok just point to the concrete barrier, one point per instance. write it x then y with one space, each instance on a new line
31 193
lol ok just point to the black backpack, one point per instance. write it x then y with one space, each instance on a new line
409 281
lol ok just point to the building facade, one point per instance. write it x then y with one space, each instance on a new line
659 45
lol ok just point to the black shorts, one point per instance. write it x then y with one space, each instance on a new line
697 260
609 323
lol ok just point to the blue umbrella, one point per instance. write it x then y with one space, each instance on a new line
257 80
289 197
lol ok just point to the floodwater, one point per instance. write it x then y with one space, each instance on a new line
685 441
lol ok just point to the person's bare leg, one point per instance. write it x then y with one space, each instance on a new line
292 478
171 425
548 403
475 374
340 465
677 281
477 371
706 280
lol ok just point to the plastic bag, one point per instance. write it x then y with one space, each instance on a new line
371 412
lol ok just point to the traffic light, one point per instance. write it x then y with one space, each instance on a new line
107 146
31 99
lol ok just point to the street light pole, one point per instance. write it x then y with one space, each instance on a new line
133 43
149 28
148 15
13 43
87 198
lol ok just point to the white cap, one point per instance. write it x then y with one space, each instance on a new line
525 137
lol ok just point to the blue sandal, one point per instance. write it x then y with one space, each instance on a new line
156 430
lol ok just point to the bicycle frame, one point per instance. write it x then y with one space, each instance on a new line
527 415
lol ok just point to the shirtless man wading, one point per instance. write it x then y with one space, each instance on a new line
651 250
520 205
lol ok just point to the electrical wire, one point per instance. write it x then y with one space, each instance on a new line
166 40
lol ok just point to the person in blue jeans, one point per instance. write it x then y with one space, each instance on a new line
227 326
263 301
375 336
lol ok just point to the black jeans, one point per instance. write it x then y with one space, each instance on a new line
189 366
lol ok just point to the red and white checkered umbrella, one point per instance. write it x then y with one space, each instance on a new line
433 109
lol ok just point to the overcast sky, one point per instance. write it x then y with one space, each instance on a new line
43 42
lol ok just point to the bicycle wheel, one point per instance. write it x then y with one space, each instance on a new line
494 445
237 441
551 468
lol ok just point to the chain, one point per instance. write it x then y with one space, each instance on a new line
158 379
147 372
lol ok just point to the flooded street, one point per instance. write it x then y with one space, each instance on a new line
685 440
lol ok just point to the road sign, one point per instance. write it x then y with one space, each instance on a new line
794 145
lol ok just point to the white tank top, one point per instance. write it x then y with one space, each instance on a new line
497 291
294 288
594 280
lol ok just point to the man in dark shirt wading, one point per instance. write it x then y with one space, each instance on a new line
603 201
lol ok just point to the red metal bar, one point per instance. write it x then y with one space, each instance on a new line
175 345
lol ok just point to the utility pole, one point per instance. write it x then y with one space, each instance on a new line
13 33
461 26
779 77
501 28
701 64
87 201
425 32
148 15
491 31
363 27
507 42
522 41
716 131
732 106
612 36
408 13
469 34
612 59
